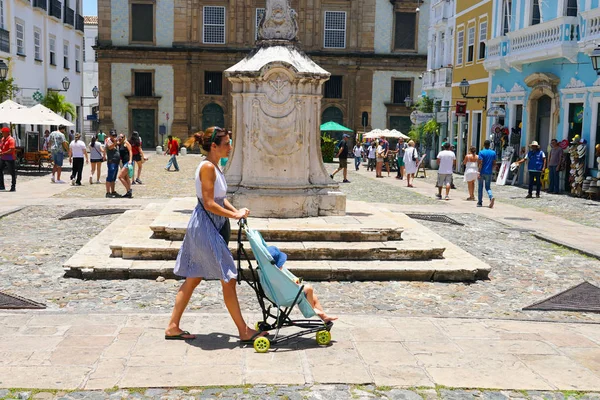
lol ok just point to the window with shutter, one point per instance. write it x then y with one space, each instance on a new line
52 46
66 55
572 8
333 87
405 31
142 23
402 89
143 84
471 44
506 16
20 38
536 16
482 39
214 25
37 44
460 47
259 14
213 83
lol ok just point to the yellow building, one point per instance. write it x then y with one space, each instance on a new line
472 29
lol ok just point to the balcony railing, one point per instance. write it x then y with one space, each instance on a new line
428 79
590 30
443 77
43 4
442 10
55 9
69 16
79 22
4 40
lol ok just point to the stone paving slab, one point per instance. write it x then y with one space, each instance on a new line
101 351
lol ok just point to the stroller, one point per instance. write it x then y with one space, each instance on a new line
278 291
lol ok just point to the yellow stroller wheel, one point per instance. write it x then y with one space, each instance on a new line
262 344
323 338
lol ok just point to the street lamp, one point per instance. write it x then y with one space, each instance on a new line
3 70
408 101
595 56
66 83
464 87
95 93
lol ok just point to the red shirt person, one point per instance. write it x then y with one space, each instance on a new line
173 150
8 155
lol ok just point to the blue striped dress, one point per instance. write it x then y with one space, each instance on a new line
204 253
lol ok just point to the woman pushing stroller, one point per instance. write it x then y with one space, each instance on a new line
204 253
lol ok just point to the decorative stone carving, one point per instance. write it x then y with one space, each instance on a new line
517 88
575 83
279 22
499 89
276 168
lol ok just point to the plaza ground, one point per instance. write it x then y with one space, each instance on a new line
482 336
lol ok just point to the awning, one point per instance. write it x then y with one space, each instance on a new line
334 127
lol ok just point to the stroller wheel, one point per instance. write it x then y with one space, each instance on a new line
323 338
261 344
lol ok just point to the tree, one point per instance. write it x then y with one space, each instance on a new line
58 103
7 88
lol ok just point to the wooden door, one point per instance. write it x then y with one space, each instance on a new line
144 122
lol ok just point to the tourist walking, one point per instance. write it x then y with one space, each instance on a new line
554 160
371 156
486 162
138 156
379 159
172 150
77 152
400 149
97 156
46 141
536 165
411 156
58 147
386 153
126 172
446 162
342 156
358 153
204 253
71 135
471 163
101 137
111 148
8 157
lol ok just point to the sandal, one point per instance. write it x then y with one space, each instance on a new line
256 335
181 336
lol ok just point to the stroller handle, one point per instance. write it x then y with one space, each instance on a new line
243 222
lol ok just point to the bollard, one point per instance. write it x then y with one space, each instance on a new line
183 151
159 150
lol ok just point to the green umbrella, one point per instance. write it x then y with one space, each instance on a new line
334 126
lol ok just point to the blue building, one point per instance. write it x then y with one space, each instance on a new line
541 71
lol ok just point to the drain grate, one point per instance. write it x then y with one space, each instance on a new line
584 297
93 212
435 218
14 302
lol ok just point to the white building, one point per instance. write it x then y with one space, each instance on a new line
41 41
89 112
437 80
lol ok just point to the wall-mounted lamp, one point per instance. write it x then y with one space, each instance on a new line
464 87
66 83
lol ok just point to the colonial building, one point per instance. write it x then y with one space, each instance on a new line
161 62
41 41
539 60
90 77
473 25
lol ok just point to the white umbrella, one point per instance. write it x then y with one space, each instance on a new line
395 134
14 113
45 116
375 133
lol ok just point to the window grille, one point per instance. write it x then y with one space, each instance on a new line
536 17
405 31
334 87
402 89
213 83
335 30
572 8
143 84
20 39
214 25
142 23
259 13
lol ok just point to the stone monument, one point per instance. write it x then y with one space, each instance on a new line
276 168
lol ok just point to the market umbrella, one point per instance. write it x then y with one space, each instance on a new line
334 126
45 116
394 134
375 133
14 113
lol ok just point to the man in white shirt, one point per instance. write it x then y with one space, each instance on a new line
77 152
446 161
358 153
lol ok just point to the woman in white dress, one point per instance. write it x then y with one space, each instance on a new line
410 163
471 171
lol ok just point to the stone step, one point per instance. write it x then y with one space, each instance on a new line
153 249
432 270
171 224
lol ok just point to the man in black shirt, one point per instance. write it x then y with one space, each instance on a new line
343 157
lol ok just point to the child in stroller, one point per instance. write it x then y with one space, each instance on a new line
280 258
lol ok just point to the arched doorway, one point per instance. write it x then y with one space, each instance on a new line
544 114
332 114
212 115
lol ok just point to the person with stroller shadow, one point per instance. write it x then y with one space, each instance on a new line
279 257
205 253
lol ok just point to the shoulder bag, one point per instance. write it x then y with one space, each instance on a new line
225 230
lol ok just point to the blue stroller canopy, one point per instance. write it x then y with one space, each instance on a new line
279 285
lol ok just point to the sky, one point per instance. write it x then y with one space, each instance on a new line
90 7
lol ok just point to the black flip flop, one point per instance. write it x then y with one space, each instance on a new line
180 336
251 340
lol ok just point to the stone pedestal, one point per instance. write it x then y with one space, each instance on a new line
276 168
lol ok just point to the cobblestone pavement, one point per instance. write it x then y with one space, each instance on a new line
580 210
158 183
308 392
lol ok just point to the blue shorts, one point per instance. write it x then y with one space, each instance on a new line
111 175
57 158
